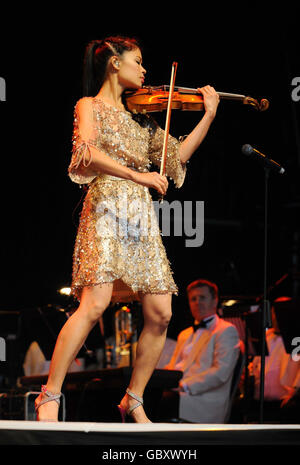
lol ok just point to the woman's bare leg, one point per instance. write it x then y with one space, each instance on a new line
94 301
157 314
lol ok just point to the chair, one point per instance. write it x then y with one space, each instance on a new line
236 377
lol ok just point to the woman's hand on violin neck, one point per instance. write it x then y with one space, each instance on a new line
153 179
211 100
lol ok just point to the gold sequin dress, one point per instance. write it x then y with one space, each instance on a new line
118 238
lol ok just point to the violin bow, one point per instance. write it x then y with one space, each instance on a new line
168 119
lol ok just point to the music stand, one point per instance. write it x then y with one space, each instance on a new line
247 320
253 332
43 325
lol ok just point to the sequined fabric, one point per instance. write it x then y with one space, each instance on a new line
118 239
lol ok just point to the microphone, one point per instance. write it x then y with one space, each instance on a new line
250 151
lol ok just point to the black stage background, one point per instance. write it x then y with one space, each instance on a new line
252 53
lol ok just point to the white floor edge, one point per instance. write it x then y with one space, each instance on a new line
133 427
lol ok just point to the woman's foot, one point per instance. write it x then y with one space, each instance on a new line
133 406
47 405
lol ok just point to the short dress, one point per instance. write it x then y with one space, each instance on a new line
118 238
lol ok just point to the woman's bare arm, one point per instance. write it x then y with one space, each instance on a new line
194 139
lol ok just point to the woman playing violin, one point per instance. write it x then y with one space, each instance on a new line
117 257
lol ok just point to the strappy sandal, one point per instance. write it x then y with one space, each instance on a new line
50 397
124 412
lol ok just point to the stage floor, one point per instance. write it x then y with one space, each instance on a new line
152 434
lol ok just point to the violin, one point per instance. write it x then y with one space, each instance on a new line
153 99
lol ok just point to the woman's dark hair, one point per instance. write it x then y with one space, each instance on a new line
97 54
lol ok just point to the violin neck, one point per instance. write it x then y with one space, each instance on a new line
188 90
228 96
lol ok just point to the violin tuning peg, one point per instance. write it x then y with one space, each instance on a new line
264 104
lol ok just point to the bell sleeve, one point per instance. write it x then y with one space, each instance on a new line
84 137
175 170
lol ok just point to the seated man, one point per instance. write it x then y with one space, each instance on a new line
207 354
281 376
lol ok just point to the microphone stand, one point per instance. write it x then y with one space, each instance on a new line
265 309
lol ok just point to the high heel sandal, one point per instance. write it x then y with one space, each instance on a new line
124 412
50 397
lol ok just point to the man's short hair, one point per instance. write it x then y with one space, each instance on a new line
213 288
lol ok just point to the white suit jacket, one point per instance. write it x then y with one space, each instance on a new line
281 371
207 371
